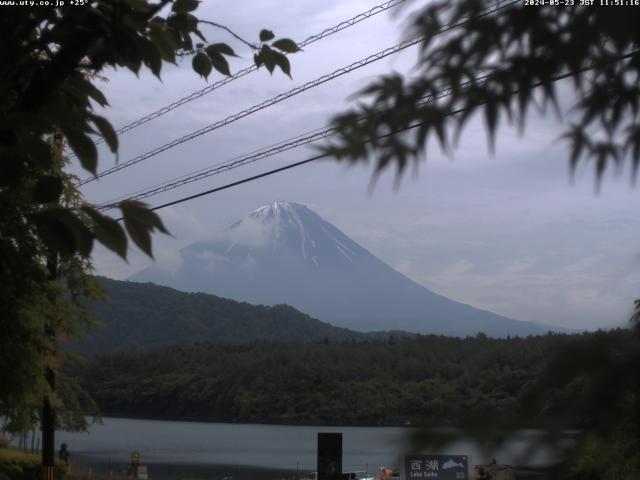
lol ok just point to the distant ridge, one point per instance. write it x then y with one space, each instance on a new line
284 253
144 316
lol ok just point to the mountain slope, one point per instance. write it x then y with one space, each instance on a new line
141 316
285 253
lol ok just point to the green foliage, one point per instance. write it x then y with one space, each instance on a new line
140 222
139 316
202 64
498 61
286 45
588 385
487 388
611 458
427 380
270 57
606 374
50 60
266 35
19 465
500 65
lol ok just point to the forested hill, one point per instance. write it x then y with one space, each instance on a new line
297 258
142 316
425 380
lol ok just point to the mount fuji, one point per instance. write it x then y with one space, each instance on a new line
284 253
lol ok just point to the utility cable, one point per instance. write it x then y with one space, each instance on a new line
325 155
272 172
383 7
221 168
255 108
283 146
207 171
277 99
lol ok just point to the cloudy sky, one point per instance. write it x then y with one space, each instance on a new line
508 233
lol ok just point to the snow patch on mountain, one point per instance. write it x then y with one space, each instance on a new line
282 224
283 252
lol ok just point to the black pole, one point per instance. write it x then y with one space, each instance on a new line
329 456
48 440
48 414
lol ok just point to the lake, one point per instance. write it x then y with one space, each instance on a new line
197 450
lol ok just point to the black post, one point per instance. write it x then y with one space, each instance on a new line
48 414
329 456
48 440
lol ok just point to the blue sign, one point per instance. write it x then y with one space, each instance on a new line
436 467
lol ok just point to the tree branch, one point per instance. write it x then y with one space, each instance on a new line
235 35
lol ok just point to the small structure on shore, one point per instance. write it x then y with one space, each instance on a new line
494 471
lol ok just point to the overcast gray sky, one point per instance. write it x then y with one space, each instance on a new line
508 233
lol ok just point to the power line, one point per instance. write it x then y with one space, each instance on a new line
274 171
280 147
255 108
240 182
271 172
223 167
325 155
383 7
206 171
281 97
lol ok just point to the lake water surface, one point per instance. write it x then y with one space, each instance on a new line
196 450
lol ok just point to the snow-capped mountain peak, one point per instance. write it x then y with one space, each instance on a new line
294 230
283 252
275 209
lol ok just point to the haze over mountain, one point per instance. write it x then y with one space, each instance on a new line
283 252
144 316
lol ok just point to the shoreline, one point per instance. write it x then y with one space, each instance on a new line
284 423
573 433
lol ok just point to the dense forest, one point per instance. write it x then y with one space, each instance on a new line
138 316
426 380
